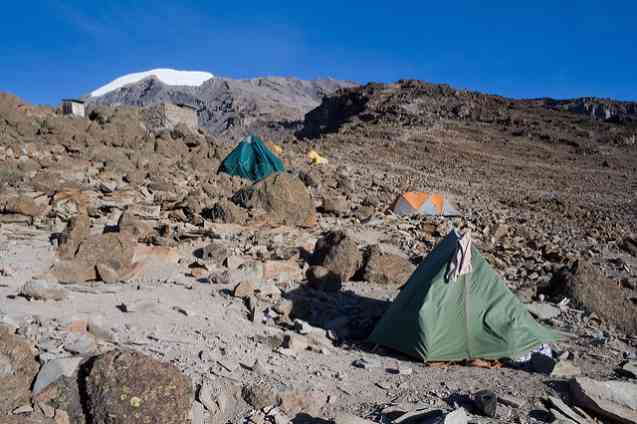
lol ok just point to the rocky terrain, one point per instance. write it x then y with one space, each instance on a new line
228 105
138 285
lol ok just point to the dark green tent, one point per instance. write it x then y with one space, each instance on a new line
475 316
251 159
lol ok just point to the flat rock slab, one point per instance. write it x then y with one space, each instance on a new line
630 368
53 370
543 311
565 369
612 399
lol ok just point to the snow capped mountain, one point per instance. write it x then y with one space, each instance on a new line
167 76
223 104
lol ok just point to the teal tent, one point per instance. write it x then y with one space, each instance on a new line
471 315
251 159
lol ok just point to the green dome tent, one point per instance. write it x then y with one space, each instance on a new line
470 315
251 159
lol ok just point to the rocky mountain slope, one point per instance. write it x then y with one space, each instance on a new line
225 104
419 103
137 282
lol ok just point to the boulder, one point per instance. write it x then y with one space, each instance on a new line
18 368
75 232
216 252
112 249
283 197
614 400
20 205
252 271
338 252
282 271
225 212
54 370
386 268
289 399
260 395
565 369
135 227
630 369
244 289
130 387
335 205
222 399
487 402
592 291
42 290
630 245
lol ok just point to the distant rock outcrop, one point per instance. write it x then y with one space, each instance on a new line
414 103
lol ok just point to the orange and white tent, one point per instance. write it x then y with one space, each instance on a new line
424 203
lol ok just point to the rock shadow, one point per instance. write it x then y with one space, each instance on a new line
308 419
348 316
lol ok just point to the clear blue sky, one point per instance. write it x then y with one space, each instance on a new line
60 48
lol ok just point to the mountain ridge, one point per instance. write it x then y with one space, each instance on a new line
226 104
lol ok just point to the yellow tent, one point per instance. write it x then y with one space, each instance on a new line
315 158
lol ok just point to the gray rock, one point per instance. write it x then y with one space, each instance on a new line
366 363
459 416
543 311
630 369
487 402
542 363
99 328
615 400
80 344
335 205
345 418
42 290
564 414
199 415
53 370
6 366
565 369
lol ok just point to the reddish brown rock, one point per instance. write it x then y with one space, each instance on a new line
18 369
130 387
338 252
386 268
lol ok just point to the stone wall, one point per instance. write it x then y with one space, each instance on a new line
166 115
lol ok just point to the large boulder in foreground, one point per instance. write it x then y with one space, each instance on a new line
129 387
283 197
593 292
615 400
338 252
386 268
18 369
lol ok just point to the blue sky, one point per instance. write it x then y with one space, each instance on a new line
61 48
